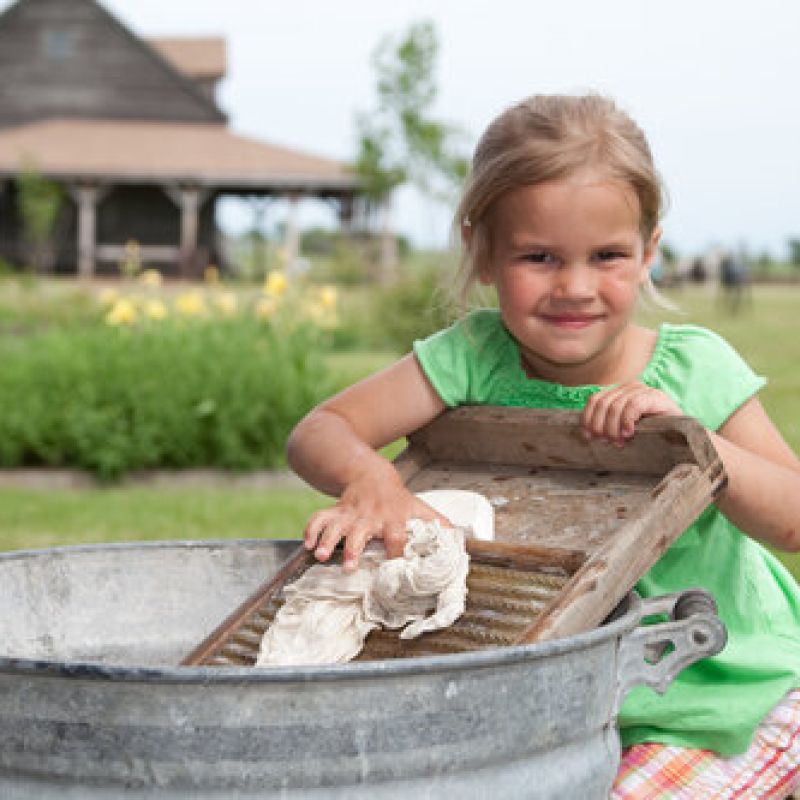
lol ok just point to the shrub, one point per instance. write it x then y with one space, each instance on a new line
221 393
29 304
415 306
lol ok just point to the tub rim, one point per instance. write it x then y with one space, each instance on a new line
420 665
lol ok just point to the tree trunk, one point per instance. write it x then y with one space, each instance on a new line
388 257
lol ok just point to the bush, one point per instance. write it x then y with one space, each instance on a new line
6 268
415 306
29 304
222 393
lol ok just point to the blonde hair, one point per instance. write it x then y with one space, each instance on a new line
549 137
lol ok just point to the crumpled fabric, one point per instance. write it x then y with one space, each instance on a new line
328 612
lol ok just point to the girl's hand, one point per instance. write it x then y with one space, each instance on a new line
613 413
368 509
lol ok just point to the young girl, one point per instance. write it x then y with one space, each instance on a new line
560 215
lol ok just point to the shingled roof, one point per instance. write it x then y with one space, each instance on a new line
143 151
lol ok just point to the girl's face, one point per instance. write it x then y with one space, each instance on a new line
567 260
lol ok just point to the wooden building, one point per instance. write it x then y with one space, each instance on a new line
132 130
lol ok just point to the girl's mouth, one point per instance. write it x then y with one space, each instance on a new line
570 321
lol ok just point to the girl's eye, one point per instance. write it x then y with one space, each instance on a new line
539 257
610 255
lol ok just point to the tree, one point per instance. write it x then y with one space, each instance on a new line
794 252
669 253
39 202
399 141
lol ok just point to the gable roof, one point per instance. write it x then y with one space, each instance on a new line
133 152
196 57
112 73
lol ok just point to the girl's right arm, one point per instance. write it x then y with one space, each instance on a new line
334 448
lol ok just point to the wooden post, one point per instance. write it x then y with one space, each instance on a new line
259 205
291 242
346 214
190 223
188 199
388 257
87 198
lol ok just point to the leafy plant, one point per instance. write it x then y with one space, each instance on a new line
400 141
415 306
221 393
40 202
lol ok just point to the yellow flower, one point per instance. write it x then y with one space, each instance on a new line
321 316
191 304
211 274
123 313
132 261
155 309
132 248
151 278
226 302
265 307
328 297
276 284
108 297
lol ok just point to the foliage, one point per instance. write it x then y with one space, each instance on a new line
669 253
180 393
794 252
346 263
400 141
40 202
413 307
29 304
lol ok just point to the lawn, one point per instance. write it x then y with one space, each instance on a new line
34 518
764 331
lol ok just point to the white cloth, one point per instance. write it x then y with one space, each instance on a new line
468 510
328 612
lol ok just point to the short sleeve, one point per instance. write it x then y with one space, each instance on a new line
456 359
704 374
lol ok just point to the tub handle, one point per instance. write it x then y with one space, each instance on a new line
654 654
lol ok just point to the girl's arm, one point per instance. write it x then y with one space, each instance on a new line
334 449
762 497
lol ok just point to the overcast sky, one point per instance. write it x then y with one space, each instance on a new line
712 82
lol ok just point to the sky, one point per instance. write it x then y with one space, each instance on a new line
711 82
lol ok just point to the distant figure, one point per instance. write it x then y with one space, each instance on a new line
734 281
698 272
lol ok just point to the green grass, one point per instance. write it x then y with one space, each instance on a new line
28 305
350 366
31 518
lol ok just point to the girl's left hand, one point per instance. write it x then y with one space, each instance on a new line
612 414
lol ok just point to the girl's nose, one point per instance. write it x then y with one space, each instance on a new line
574 281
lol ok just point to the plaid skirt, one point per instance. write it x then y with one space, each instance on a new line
769 770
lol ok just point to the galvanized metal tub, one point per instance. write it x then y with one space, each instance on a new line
92 706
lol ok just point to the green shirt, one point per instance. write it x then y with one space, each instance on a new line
716 703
